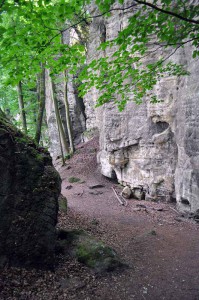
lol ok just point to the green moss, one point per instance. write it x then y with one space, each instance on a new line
63 204
24 139
4 122
38 156
96 255
73 179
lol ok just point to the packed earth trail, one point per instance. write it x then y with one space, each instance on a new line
158 246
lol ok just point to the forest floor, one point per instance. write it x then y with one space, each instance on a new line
160 247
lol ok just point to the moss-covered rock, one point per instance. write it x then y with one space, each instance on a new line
29 190
63 203
73 179
94 254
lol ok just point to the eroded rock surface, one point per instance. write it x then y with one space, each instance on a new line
29 190
151 147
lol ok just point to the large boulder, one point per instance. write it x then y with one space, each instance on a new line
29 190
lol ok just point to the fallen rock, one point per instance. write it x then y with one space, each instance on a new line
138 193
126 192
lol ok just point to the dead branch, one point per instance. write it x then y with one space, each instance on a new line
120 201
174 210
124 200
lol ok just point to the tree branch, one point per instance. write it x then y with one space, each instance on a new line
171 13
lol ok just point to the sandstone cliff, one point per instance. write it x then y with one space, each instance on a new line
153 148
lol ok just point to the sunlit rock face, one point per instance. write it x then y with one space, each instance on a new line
150 147
29 191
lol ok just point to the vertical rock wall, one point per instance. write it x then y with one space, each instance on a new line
154 148
187 137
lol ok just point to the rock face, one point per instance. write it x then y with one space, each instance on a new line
153 148
29 190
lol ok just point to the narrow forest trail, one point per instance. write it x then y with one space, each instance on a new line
160 247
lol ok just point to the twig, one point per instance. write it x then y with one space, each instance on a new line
124 200
174 210
120 201
167 12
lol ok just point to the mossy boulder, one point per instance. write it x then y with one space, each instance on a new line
94 254
29 191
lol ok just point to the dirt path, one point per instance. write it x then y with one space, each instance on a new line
160 247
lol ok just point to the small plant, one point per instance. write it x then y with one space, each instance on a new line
73 179
67 156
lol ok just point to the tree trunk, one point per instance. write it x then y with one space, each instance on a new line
41 98
21 107
61 148
68 120
58 118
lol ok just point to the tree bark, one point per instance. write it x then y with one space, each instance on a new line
66 103
68 120
21 107
41 98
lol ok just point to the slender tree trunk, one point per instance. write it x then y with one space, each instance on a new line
61 148
68 120
66 103
21 107
58 118
41 97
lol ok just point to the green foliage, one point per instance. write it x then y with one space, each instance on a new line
28 39
31 34
9 102
130 71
